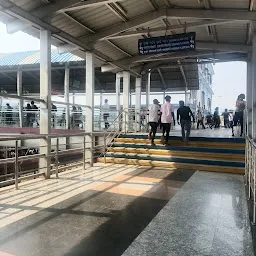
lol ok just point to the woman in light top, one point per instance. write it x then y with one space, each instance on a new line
239 113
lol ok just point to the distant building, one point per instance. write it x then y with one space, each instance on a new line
202 98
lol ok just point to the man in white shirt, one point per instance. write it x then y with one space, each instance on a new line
167 118
105 110
154 114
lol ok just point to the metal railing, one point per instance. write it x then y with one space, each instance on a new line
77 151
250 173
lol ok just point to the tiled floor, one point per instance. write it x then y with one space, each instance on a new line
208 216
99 211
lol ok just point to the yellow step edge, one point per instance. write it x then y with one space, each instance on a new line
179 143
160 152
207 168
158 156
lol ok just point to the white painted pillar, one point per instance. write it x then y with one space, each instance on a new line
118 81
254 84
20 93
89 112
249 98
148 90
66 96
138 102
186 97
45 94
126 91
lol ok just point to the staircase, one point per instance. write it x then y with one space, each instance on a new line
204 154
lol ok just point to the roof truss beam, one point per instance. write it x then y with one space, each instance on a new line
42 12
89 3
172 27
13 10
174 13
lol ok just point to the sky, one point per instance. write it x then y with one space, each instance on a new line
228 82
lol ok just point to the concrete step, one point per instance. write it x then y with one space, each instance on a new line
190 160
155 163
161 151
179 143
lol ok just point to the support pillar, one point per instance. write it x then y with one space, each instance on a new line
126 92
89 112
45 94
138 102
249 98
66 96
20 93
118 81
253 92
148 90
67 108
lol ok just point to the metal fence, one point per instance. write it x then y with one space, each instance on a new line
250 174
25 160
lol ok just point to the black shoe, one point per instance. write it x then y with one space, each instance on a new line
233 135
153 144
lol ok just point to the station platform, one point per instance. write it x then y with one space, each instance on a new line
114 209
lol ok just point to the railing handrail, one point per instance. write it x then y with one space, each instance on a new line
251 141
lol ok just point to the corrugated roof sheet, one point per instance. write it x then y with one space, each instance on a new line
33 57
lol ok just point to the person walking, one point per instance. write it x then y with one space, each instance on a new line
28 115
105 110
216 118
200 119
239 113
154 113
34 110
167 117
54 111
226 118
184 115
8 114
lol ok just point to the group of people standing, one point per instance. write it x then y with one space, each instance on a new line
164 117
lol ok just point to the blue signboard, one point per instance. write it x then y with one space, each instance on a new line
165 44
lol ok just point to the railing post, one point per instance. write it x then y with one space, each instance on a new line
125 121
5 164
16 165
105 148
254 190
84 153
250 169
92 151
136 120
57 158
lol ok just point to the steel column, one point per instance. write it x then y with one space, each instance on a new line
253 92
45 94
126 91
20 92
148 90
138 102
89 112
249 98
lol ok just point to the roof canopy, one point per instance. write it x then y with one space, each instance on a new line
111 28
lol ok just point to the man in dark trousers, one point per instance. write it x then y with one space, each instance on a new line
184 115
226 118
